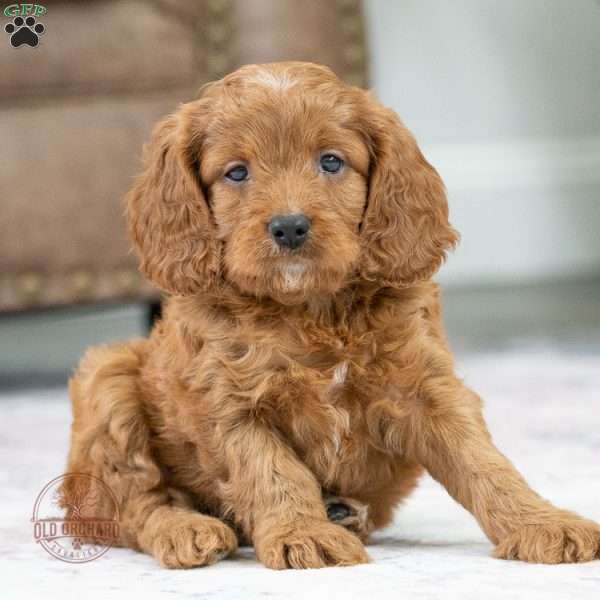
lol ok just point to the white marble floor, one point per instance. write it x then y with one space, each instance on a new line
543 409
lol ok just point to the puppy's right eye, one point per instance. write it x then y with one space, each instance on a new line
330 163
237 173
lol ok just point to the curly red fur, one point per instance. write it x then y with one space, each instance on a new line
280 382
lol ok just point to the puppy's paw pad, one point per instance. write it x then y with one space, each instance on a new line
193 541
562 541
349 513
311 547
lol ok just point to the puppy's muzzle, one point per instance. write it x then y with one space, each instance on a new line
289 231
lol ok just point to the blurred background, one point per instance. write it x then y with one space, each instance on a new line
503 97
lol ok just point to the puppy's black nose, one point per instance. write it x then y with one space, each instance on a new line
289 231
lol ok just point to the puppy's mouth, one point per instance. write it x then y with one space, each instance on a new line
297 260
287 275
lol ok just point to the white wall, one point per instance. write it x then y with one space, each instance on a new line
504 97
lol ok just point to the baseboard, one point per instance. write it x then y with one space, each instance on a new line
517 164
526 209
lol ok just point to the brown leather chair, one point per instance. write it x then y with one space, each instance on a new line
77 108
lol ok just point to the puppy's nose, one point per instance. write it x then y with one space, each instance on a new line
289 231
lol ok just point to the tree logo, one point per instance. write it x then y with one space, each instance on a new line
76 518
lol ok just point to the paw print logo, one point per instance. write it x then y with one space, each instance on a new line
24 31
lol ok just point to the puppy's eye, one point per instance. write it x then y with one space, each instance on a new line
237 173
330 163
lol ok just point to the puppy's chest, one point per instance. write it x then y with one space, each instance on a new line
324 402
326 372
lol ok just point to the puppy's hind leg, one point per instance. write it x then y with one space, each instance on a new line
110 439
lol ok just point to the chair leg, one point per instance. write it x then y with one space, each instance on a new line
154 312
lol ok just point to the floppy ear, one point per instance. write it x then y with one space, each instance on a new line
169 219
405 230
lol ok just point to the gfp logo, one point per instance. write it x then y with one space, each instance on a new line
24 29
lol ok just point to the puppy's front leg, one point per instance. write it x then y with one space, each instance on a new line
451 440
279 504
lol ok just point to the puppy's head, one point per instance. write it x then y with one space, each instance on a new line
282 181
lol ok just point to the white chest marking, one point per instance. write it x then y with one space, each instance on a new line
340 373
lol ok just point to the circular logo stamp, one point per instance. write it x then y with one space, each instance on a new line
76 518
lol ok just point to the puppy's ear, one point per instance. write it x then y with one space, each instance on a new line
405 229
169 219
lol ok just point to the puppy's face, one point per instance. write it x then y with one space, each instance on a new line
286 183
285 176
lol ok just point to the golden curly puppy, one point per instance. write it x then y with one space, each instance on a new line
301 367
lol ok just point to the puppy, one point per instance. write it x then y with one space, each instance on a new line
301 366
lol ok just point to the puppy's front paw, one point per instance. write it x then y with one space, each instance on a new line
310 546
190 540
564 540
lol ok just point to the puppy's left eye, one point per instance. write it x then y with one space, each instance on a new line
330 163
237 173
